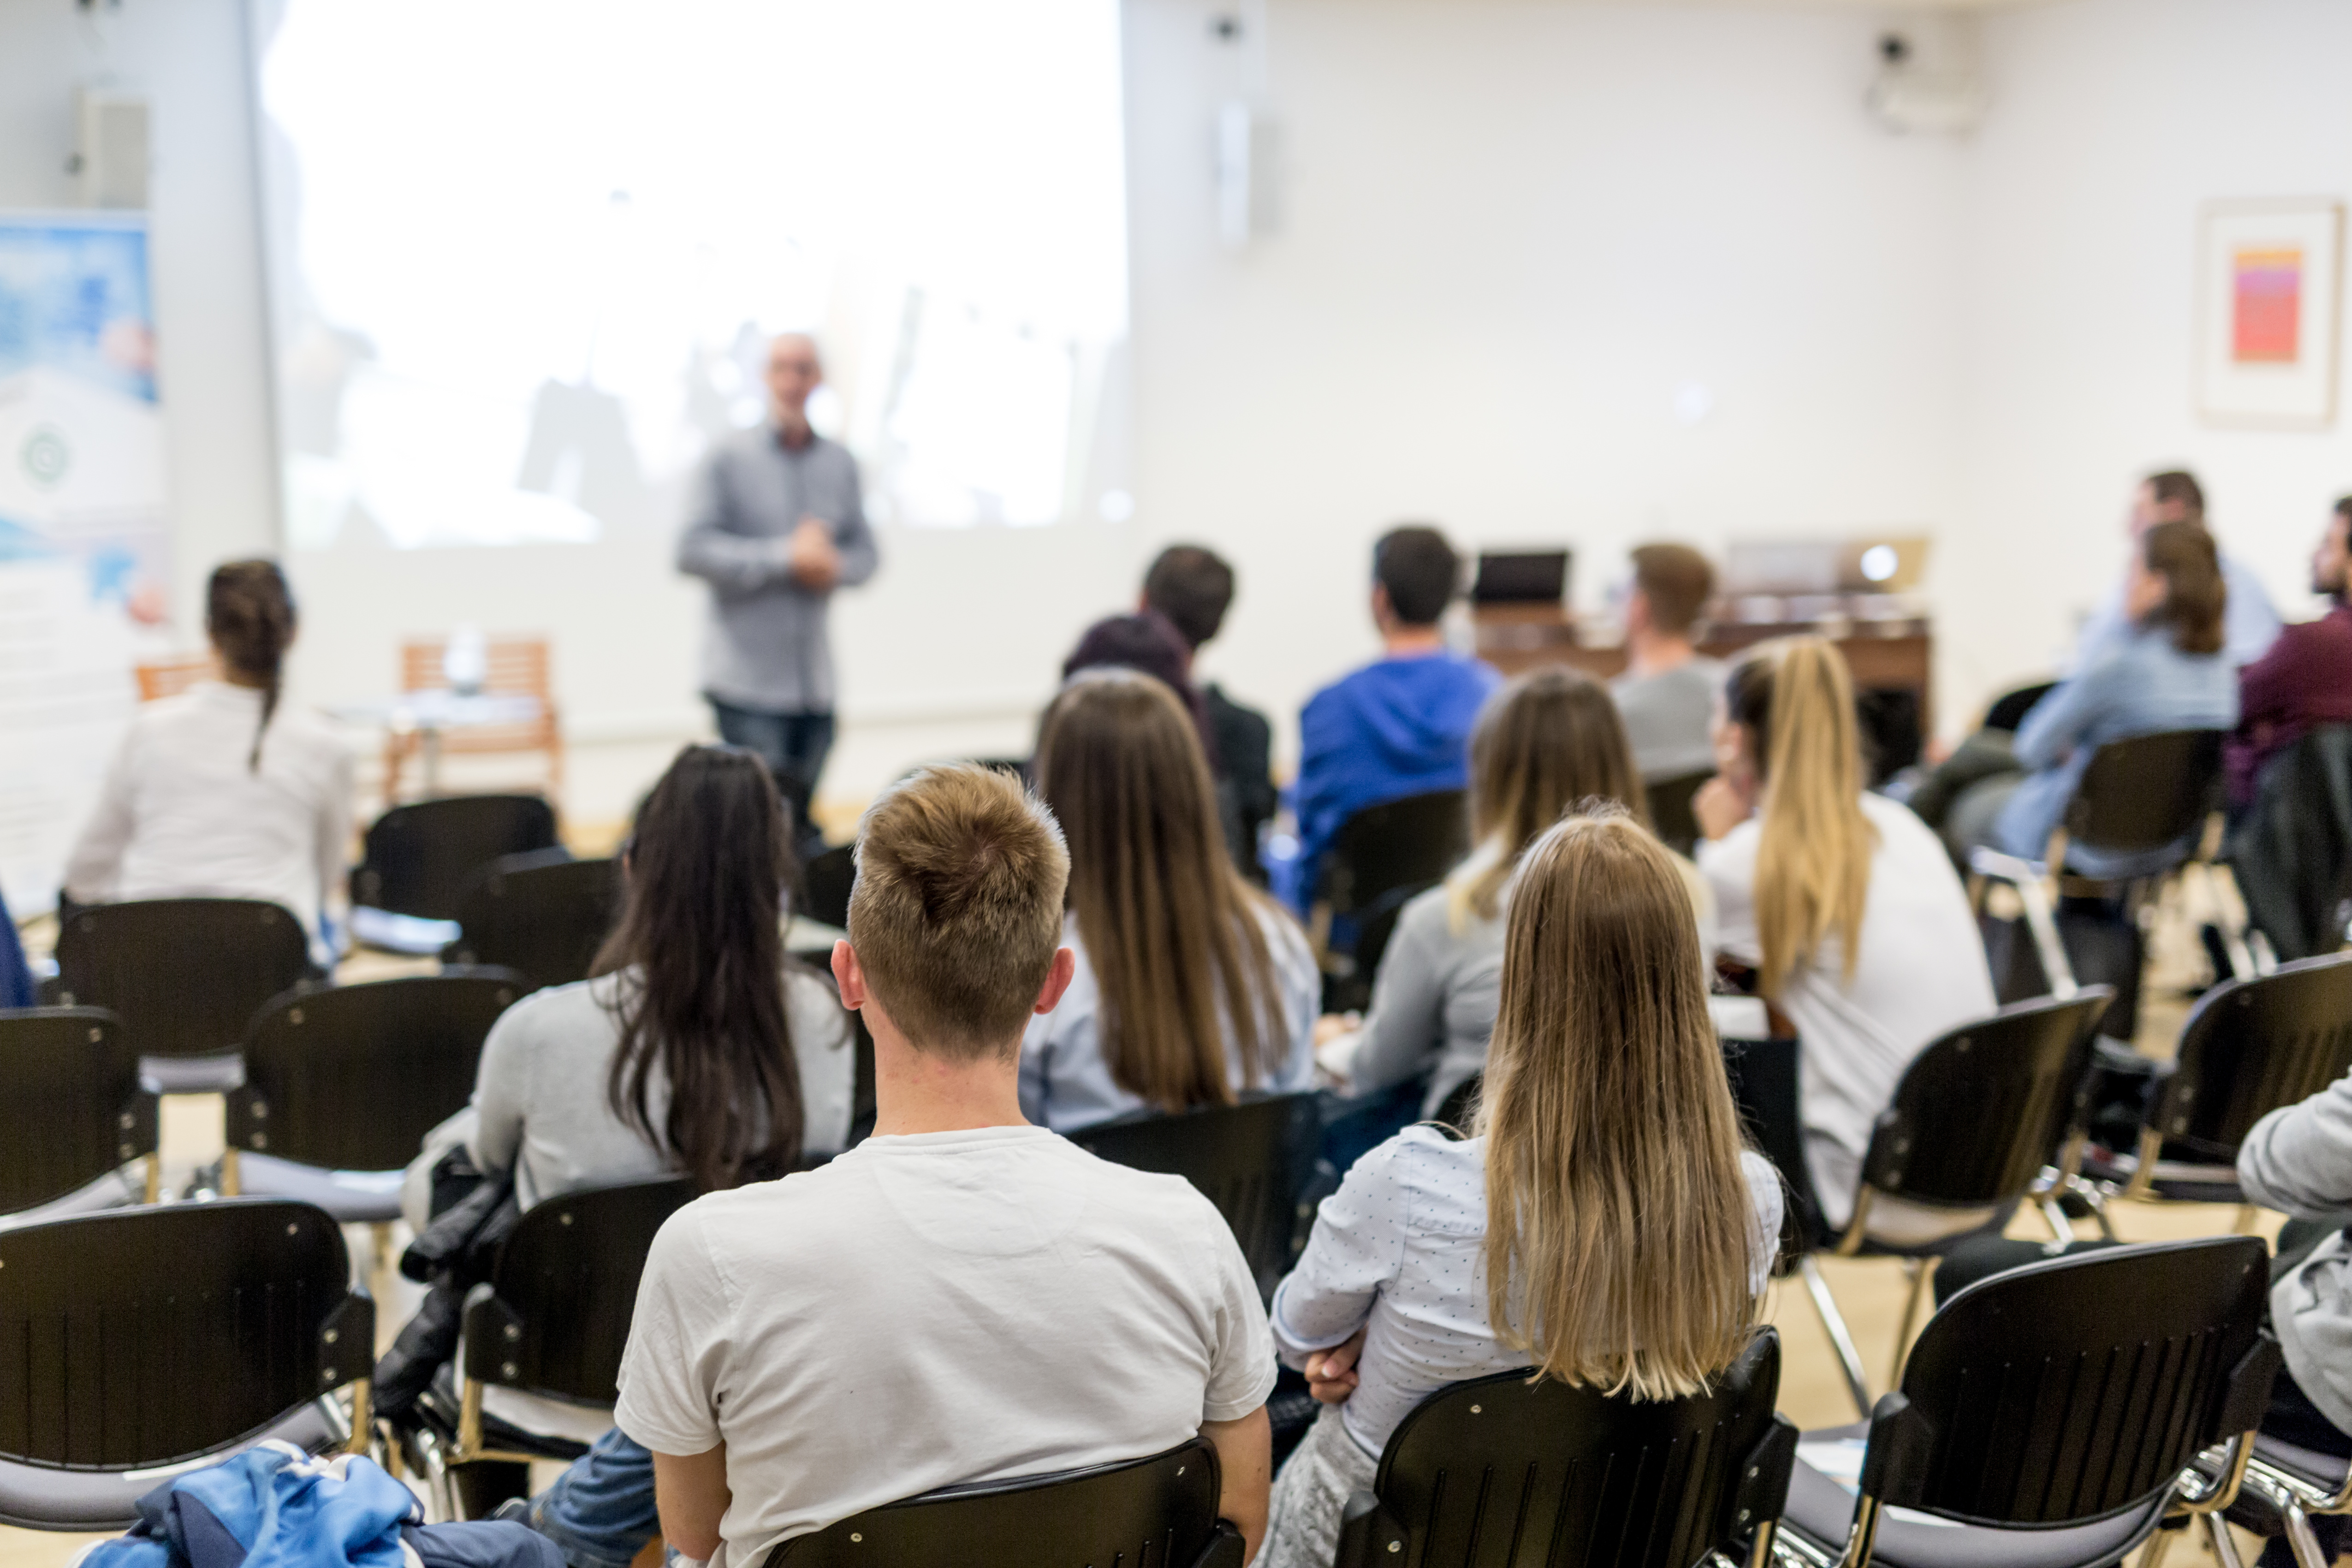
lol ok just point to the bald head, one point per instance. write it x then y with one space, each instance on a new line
794 371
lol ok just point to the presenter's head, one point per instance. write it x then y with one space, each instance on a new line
794 371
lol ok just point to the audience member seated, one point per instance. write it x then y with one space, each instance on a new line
1544 744
224 791
962 1297
2298 1159
2305 678
1148 644
1401 725
1438 1260
2175 496
1192 587
1189 985
1843 902
2169 674
698 1048
1666 695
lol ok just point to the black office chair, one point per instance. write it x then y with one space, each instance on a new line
543 915
2008 710
170 1335
420 857
825 882
1977 1119
182 977
2144 801
1506 1473
1671 816
1157 1512
73 1115
1379 859
2049 1415
343 1083
1251 1160
553 1322
2249 1047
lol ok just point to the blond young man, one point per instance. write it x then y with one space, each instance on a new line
964 1296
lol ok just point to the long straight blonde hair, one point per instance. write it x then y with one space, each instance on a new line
1542 744
1795 699
1620 1235
1175 937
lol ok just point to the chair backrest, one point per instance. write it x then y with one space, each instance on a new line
2146 792
145 1336
353 1077
1764 1076
2253 1046
541 914
72 1111
182 977
1156 1513
1671 816
1983 1109
2075 1388
421 858
1250 1160
2009 709
825 882
563 1288
1395 846
162 677
1502 1473
510 665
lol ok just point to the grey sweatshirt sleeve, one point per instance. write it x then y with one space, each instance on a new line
2298 1159
707 549
854 537
500 1087
1405 1029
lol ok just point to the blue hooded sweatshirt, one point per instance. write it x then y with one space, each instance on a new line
1399 727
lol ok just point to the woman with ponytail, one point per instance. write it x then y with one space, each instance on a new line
1845 902
225 791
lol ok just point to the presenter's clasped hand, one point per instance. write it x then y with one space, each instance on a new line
815 563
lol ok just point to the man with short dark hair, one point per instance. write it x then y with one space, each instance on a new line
1399 726
2305 678
962 1297
1191 587
2249 623
1666 695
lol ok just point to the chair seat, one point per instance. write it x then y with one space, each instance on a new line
416 935
2322 1472
353 1197
2177 1181
438 1408
115 1190
192 1075
1822 1510
38 1497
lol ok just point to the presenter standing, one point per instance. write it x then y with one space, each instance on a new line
774 526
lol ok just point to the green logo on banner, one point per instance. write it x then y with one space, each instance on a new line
45 455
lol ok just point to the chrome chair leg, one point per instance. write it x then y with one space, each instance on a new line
1841 1339
2225 1550
1922 1271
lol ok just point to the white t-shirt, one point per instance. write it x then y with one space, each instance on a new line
1921 972
933 1310
184 814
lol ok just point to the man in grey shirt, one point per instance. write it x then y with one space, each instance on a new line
774 526
1666 695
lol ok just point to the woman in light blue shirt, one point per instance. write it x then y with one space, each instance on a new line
2170 673
1193 987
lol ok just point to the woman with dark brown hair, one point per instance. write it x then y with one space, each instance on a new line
225 791
1192 986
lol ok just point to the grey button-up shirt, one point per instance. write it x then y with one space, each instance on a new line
765 645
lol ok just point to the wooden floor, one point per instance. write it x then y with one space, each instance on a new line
1813 1392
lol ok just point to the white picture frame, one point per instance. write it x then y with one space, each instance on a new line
2269 288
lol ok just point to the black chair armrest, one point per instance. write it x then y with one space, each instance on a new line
491 1329
1894 1465
1365 1531
1225 1548
1762 1492
2249 1395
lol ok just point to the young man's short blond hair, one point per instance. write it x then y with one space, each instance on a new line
957 910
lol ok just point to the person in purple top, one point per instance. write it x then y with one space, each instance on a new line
1399 726
2305 678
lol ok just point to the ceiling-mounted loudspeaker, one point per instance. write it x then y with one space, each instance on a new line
1913 96
111 146
1245 175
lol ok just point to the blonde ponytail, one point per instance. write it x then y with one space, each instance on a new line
1812 858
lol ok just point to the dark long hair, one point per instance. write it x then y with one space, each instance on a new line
1150 644
2194 594
702 924
249 615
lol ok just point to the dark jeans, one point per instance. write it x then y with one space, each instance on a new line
599 1513
794 745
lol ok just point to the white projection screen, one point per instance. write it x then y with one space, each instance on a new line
524 257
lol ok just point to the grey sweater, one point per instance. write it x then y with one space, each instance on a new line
2298 1159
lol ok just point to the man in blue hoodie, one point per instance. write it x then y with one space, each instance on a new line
1399 726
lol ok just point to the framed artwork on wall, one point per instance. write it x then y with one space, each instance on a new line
2270 286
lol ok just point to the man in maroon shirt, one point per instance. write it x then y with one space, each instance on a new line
2305 678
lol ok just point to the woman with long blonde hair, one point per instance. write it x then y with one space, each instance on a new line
1543 745
1604 1225
1191 985
1845 902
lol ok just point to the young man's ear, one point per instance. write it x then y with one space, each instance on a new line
848 976
1058 979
